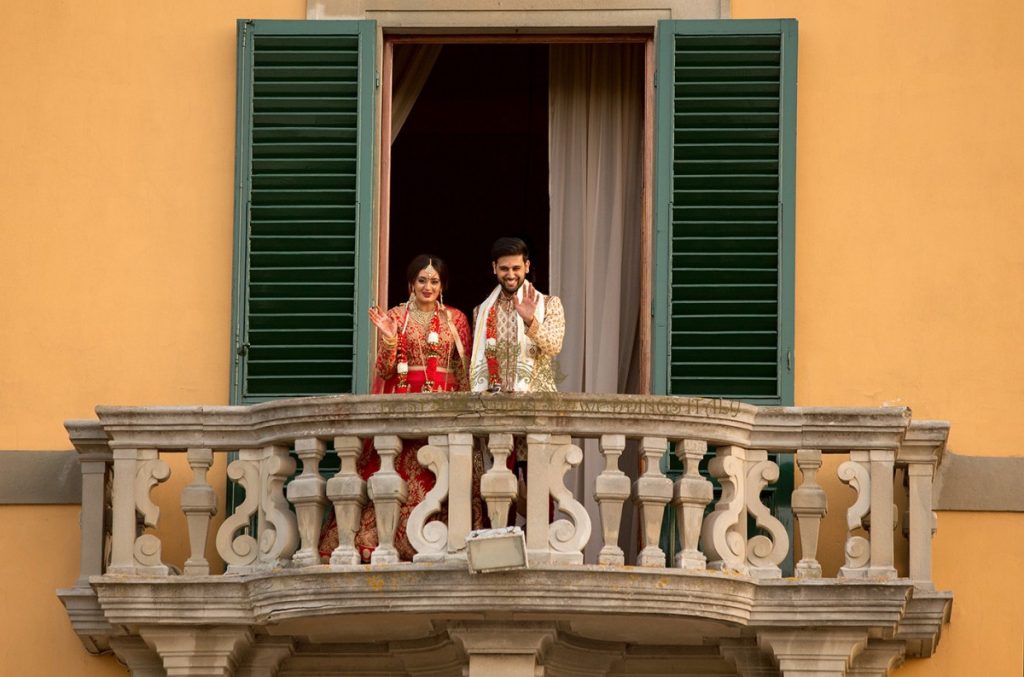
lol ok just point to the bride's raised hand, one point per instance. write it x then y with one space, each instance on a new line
384 322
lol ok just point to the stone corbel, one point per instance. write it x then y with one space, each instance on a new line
921 625
265 656
198 651
505 649
822 653
877 659
750 660
139 657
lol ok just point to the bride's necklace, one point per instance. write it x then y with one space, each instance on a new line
426 319
421 317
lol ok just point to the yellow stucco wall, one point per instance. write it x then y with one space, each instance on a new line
117 139
117 136
910 260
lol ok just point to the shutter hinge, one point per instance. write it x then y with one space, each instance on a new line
789 360
376 80
655 78
243 348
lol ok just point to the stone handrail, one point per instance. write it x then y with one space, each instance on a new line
122 451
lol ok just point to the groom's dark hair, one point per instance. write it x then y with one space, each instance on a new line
509 246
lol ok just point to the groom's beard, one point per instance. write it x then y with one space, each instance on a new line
509 292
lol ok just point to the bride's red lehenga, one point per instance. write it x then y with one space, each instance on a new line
444 364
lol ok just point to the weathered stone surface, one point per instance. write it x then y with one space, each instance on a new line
614 612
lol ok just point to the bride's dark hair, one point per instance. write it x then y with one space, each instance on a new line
421 262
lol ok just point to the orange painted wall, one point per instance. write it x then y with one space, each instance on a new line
910 261
910 212
117 138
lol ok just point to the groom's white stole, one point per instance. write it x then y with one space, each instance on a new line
525 361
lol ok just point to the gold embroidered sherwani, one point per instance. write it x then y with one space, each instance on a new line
546 337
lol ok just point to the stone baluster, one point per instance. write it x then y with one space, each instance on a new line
611 490
883 513
308 493
347 490
691 496
857 549
279 537
922 446
430 539
764 553
652 491
199 503
809 506
499 486
151 471
388 491
122 557
567 538
240 553
724 535
460 491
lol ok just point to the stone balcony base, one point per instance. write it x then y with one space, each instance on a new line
389 618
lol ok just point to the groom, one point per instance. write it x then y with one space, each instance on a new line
517 331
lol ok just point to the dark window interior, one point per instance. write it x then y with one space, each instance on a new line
471 165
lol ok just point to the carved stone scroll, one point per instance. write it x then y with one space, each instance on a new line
199 503
652 491
691 496
858 549
308 493
724 535
566 537
498 486
387 491
240 553
279 537
430 539
151 471
764 553
347 490
809 506
611 491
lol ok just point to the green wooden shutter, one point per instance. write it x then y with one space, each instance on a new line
302 210
725 170
725 206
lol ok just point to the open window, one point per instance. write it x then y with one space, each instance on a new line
540 137
479 155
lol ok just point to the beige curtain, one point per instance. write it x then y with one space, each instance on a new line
410 69
595 179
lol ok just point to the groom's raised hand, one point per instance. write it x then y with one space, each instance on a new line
528 306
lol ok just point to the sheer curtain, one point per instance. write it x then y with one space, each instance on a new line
595 180
410 69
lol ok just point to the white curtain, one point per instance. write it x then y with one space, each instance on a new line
595 180
410 68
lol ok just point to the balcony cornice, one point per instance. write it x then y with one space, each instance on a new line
720 422
447 590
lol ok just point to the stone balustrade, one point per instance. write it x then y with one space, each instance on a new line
875 443
735 538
